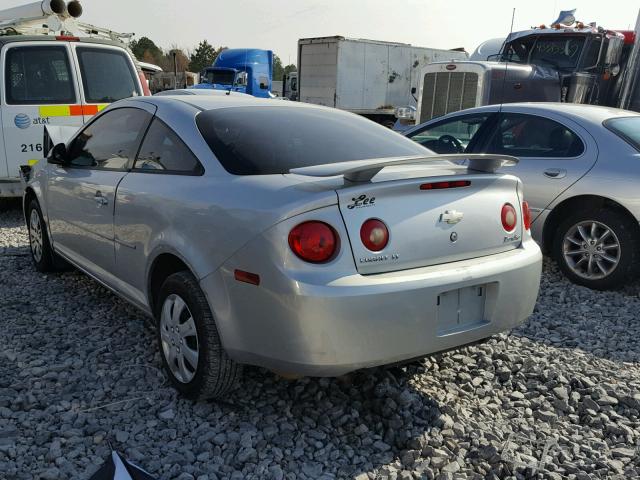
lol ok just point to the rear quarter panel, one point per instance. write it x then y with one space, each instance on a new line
615 174
201 219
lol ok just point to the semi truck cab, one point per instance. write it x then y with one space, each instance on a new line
245 70
576 64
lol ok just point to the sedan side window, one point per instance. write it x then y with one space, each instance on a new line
111 141
450 136
162 151
523 135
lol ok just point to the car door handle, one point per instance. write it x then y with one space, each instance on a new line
100 200
555 173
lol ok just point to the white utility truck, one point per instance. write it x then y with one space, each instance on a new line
55 72
368 77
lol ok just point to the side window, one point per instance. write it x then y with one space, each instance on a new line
523 135
111 141
592 54
107 74
163 151
38 76
450 136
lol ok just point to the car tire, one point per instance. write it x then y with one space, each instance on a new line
192 328
39 245
580 244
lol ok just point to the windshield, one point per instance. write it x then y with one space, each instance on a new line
273 140
627 128
221 77
559 51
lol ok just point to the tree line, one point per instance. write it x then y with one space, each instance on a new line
197 60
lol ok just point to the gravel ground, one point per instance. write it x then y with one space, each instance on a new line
557 398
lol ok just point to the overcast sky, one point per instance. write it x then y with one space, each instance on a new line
278 24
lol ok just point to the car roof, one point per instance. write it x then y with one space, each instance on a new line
580 113
199 91
213 102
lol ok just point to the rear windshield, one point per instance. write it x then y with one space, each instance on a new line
627 128
107 75
271 140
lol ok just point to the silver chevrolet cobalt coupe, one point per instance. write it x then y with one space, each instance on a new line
299 238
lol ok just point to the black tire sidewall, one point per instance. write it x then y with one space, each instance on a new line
627 236
186 286
45 264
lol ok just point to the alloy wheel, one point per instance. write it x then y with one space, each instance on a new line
35 235
180 345
591 250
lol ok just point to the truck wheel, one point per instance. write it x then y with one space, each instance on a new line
597 249
41 251
190 346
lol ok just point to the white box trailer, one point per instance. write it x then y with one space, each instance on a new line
367 77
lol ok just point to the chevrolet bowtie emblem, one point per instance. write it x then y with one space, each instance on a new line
451 217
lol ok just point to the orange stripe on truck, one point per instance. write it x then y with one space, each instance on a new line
70 110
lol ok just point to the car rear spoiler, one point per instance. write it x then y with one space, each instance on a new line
365 170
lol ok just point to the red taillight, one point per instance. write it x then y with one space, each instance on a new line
67 38
313 241
526 216
247 277
508 217
441 185
374 234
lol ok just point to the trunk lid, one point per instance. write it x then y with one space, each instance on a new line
428 227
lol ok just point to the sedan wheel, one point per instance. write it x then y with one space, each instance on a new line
192 352
41 252
179 338
35 235
597 249
591 249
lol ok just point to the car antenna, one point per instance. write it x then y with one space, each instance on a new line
506 63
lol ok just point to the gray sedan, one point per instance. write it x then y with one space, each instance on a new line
299 238
580 165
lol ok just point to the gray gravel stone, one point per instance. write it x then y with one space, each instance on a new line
79 370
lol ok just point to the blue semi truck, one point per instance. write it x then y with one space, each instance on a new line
246 70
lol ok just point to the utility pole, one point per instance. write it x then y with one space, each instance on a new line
175 69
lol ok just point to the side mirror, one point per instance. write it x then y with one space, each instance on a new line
58 155
263 86
413 90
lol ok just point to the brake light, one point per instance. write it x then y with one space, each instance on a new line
374 234
313 241
67 38
508 217
526 216
441 185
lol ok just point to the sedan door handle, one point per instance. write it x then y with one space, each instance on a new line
555 173
100 200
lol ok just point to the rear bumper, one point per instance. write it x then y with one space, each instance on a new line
358 321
